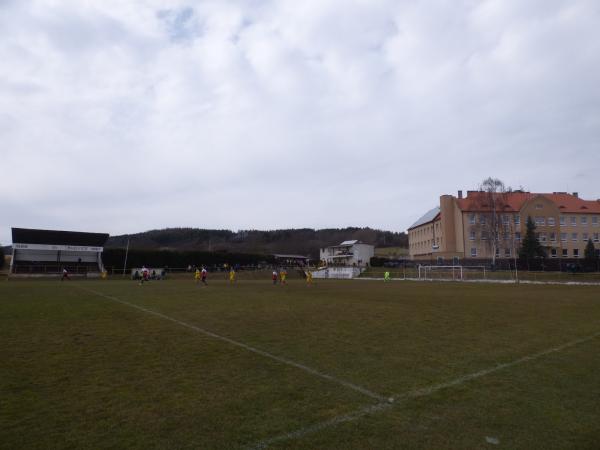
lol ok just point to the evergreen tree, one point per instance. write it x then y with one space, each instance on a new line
530 247
590 256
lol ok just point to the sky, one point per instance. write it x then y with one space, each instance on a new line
119 116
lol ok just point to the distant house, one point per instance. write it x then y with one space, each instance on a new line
348 253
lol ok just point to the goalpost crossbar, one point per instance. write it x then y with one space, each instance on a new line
456 272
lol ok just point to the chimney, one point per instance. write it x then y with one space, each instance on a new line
576 194
459 194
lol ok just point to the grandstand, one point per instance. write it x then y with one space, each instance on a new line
47 252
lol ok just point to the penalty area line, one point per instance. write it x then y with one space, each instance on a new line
417 393
371 409
247 347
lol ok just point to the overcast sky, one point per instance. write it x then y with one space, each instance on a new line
120 116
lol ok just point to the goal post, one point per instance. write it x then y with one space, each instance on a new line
451 273
440 272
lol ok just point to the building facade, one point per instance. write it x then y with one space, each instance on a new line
348 253
483 225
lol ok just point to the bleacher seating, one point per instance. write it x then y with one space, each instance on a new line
41 252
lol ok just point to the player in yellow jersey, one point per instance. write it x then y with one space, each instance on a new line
309 279
283 275
231 275
197 275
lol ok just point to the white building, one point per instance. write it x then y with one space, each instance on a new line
348 253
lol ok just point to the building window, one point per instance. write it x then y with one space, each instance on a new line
542 237
575 253
472 236
573 221
583 220
472 219
497 252
484 235
553 237
540 221
563 237
481 219
596 237
574 237
551 221
518 235
553 253
505 219
506 236
517 219
539 206
507 252
473 252
562 221
440 260
455 261
565 252
594 221
584 237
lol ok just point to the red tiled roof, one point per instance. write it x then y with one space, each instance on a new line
570 204
514 201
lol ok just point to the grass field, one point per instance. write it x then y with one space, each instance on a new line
111 364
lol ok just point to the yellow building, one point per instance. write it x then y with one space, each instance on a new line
483 225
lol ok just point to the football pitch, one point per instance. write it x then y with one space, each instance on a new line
340 365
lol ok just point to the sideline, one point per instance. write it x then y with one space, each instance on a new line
258 351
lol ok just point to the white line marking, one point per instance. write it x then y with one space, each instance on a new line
280 359
472 376
415 394
371 409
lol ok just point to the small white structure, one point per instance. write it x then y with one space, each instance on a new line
337 272
348 253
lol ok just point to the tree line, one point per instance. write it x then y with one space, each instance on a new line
303 241
114 258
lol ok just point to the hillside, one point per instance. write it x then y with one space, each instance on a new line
304 241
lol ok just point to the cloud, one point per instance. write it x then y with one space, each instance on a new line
123 116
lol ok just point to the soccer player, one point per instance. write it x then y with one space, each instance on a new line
274 277
65 275
204 274
283 275
309 278
231 275
197 275
386 276
145 275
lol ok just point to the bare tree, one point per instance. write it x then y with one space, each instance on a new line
495 222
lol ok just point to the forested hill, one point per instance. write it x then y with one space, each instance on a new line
304 241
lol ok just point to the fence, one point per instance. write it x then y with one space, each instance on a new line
412 273
53 269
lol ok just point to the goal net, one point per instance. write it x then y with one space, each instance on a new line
451 273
